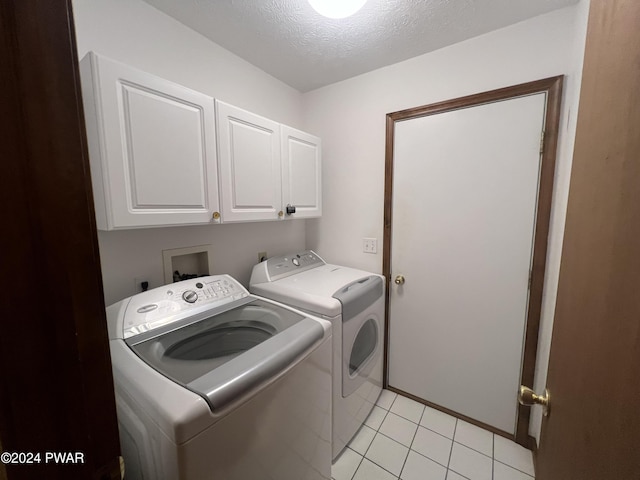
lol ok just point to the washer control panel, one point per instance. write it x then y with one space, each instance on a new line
279 267
163 305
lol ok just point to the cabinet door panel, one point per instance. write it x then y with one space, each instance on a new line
152 147
165 154
249 152
301 172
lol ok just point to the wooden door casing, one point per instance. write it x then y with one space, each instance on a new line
553 88
593 431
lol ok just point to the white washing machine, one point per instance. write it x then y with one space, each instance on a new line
214 383
353 300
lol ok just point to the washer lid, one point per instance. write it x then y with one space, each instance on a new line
225 356
312 290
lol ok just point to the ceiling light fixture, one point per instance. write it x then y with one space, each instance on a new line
337 8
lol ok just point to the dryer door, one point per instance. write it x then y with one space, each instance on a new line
360 353
361 331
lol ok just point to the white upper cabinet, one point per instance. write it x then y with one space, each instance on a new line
265 167
155 161
152 148
301 173
250 165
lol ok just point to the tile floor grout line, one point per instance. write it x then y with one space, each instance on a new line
422 454
471 448
431 430
394 401
402 416
377 465
386 412
493 456
418 424
428 458
410 445
359 463
427 428
391 438
463 476
455 427
514 468
438 433
377 430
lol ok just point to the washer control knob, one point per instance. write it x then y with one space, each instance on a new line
296 262
190 296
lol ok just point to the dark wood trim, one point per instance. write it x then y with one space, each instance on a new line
539 261
386 250
529 88
553 88
56 387
453 413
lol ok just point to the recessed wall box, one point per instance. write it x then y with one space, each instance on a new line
189 260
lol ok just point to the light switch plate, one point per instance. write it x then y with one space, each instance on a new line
370 245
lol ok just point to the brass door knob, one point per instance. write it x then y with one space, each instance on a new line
280 214
216 215
528 398
399 280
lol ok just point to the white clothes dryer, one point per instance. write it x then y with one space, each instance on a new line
353 300
214 383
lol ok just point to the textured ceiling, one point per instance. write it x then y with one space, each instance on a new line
289 40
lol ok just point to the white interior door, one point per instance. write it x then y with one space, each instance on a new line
465 186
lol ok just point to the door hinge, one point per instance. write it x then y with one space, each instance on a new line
530 276
542 142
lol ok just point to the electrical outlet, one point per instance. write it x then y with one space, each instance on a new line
262 256
138 281
370 245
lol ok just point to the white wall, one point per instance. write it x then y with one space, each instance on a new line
135 33
350 118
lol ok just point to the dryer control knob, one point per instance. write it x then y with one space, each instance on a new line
190 296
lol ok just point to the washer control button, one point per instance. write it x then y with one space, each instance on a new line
147 308
190 296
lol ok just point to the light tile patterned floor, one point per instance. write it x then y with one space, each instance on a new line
403 439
